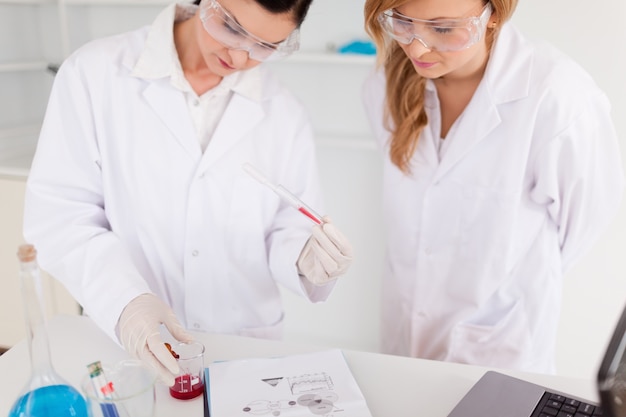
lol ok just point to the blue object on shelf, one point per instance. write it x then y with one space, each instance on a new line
358 47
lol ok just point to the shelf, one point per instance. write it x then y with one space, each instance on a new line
18 144
353 142
117 2
27 2
7 133
23 66
304 57
91 2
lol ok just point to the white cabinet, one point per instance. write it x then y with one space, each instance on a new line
35 33
57 299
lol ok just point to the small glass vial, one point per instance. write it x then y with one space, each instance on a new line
46 393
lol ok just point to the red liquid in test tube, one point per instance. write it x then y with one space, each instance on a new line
285 194
309 215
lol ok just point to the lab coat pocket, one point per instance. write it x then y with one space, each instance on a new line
273 331
504 344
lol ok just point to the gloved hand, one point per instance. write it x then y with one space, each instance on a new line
326 255
138 328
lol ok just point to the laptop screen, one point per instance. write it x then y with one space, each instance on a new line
612 372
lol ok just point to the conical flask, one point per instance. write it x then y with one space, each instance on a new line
46 393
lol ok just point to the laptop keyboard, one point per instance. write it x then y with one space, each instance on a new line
556 405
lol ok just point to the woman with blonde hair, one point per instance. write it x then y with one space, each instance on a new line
501 169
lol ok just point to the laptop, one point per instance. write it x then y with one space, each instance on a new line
499 395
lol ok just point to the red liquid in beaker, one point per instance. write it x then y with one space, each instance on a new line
187 387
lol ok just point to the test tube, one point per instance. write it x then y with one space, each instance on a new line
285 194
103 388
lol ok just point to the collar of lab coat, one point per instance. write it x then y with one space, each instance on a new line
507 78
508 72
159 58
157 62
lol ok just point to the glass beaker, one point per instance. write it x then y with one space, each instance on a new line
125 389
46 392
189 383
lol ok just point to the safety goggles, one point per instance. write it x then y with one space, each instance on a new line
439 34
223 27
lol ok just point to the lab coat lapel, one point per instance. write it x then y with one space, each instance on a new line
169 105
506 79
426 153
479 119
241 115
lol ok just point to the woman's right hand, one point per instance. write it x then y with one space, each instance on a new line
139 334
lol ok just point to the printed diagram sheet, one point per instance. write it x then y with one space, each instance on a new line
307 385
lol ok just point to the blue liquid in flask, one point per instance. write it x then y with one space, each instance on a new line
50 401
46 393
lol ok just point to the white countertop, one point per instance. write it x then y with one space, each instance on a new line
393 386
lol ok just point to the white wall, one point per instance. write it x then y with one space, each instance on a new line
351 178
594 34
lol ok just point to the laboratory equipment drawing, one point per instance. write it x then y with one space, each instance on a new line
272 381
312 391
321 403
317 384
310 382
271 407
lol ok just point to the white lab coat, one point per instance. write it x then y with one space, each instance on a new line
121 200
478 241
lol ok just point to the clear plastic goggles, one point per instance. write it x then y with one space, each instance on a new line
439 34
223 27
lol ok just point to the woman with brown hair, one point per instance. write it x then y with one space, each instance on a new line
137 200
501 169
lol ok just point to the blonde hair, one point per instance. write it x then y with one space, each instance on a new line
405 116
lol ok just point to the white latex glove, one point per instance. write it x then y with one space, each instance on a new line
326 255
138 328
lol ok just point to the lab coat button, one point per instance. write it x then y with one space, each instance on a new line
196 326
196 102
427 251
194 253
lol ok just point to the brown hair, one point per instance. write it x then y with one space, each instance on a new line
299 8
405 116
